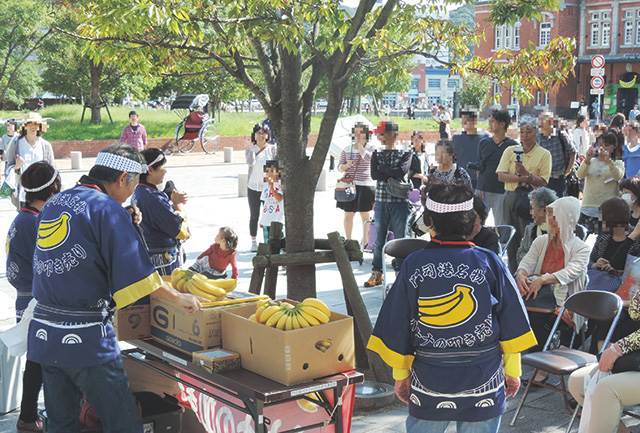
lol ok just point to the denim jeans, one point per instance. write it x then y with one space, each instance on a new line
105 387
415 425
388 216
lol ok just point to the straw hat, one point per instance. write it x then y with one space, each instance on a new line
33 117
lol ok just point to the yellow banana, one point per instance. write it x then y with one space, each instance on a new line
253 318
282 321
228 284
313 311
259 311
275 318
301 320
268 313
295 324
448 310
317 303
194 290
437 301
311 320
288 324
179 285
205 287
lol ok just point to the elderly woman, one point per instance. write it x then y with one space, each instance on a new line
447 171
557 259
28 148
163 221
539 199
453 325
614 392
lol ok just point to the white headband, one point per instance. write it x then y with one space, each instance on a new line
436 207
157 160
46 185
120 163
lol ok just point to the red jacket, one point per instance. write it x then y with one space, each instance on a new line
219 259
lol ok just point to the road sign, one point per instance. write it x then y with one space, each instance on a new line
597 61
597 83
597 72
597 91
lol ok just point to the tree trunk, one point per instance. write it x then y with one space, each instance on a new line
299 184
376 107
95 100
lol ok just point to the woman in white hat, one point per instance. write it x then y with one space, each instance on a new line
30 147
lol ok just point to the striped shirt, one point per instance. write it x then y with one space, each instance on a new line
360 170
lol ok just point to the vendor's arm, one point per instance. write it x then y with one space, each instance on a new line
132 275
186 301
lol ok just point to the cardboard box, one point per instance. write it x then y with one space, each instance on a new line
289 357
186 332
132 322
217 360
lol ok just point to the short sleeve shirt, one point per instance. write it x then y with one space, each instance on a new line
537 161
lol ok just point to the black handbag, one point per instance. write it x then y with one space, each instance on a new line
398 188
523 205
628 362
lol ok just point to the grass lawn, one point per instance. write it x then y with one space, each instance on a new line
160 123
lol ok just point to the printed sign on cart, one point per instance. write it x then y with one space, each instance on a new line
216 417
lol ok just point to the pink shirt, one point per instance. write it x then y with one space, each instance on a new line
136 138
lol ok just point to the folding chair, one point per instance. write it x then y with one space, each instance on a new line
398 249
505 234
591 304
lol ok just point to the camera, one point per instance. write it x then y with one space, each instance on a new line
518 151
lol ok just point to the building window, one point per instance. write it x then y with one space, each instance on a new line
414 83
507 37
431 100
452 83
496 88
600 29
542 99
434 83
631 27
545 34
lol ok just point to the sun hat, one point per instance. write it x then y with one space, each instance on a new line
33 117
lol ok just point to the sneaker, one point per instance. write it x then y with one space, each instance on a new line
30 427
374 280
254 245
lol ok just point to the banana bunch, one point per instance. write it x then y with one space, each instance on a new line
286 316
186 281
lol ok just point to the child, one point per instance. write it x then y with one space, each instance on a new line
214 261
272 197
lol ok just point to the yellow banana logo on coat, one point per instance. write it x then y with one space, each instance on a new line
53 233
449 310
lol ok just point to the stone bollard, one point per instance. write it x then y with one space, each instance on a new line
228 154
322 181
242 184
76 160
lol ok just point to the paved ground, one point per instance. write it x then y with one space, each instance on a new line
214 202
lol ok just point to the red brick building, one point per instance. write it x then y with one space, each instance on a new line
608 27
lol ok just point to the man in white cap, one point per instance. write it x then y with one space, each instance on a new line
90 260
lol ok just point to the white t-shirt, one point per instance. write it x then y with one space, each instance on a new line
29 154
581 140
272 209
256 175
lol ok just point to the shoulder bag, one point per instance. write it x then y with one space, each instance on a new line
345 190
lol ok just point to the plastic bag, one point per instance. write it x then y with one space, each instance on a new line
8 184
589 389
15 339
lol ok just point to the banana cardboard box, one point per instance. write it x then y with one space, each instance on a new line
133 322
289 357
188 332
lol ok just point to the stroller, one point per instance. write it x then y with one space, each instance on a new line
195 126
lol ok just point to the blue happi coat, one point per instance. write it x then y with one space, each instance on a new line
88 260
451 314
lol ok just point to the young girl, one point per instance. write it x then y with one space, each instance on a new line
213 262
272 197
